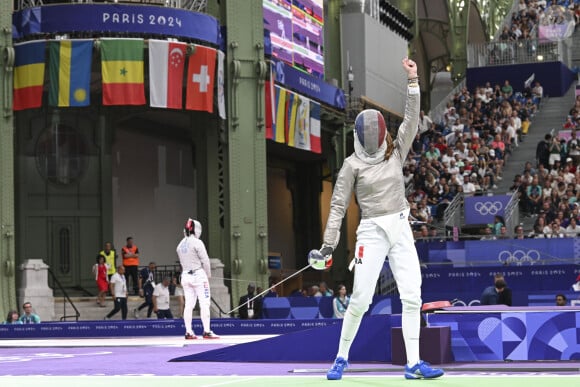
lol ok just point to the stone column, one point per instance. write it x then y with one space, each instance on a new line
219 291
34 289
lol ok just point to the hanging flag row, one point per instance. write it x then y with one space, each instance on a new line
292 119
122 71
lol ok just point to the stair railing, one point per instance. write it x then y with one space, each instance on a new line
66 297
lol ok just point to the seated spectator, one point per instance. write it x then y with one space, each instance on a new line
468 186
519 232
534 196
28 317
341 301
572 230
503 233
314 291
324 290
488 235
561 300
555 231
12 318
250 309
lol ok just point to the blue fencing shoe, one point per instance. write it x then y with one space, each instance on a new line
335 373
422 370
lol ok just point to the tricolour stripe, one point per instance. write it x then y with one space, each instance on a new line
29 75
158 67
123 94
123 72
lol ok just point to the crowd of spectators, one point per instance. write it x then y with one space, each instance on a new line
467 150
549 191
518 38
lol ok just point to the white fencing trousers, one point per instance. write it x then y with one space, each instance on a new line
196 287
377 238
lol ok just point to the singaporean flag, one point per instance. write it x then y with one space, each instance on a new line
166 66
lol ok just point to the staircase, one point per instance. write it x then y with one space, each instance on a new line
89 309
576 49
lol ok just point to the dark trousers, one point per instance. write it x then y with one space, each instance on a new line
161 314
120 305
148 290
133 273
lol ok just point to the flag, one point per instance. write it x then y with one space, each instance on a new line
270 111
28 74
122 71
302 128
291 106
69 69
315 145
200 79
166 66
280 118
221 99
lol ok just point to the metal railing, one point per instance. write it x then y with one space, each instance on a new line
512 213
437 113
452 215
500 53
66 297
191 5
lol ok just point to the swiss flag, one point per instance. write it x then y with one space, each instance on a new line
200 79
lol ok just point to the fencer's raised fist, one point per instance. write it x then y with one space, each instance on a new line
410 67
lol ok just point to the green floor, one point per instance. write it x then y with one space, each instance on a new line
300 381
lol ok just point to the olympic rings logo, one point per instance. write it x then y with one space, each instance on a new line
459 302
488 208
519 257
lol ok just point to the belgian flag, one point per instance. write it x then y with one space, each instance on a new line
28 74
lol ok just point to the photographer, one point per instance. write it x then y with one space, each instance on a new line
574 147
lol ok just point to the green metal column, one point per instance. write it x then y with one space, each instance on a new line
459 23
246 204
332 41
7 259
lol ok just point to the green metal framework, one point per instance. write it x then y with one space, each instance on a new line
7 255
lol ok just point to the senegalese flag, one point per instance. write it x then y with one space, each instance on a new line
69 69
279 123
122 71
28 74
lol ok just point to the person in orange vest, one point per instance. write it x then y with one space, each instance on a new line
130 254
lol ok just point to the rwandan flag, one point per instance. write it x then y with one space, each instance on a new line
28 74
69 69
279 122
122 71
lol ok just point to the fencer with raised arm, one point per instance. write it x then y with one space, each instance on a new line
374 172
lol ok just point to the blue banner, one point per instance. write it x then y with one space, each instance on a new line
468 280
132 328
115 18
501 252
514 336
308 85
482 209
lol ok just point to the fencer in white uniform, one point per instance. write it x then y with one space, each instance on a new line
196 271
375 174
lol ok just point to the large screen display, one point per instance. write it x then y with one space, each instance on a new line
296 31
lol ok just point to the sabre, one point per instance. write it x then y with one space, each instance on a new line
267 290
